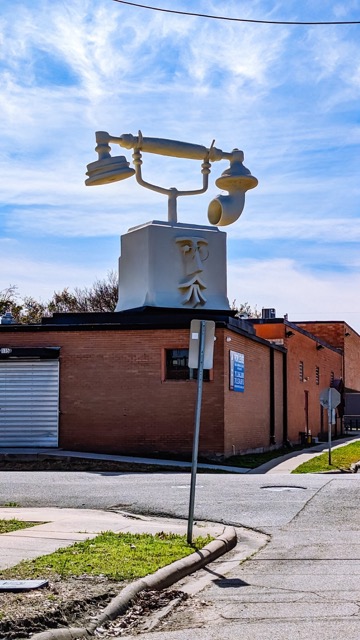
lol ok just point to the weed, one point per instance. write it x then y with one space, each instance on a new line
341 458
118 556
13 525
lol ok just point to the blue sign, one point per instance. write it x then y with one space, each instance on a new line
237 371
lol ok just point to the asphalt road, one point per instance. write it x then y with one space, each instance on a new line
255 501
304 583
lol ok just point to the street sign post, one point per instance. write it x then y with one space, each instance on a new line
330 398
195 342
201 355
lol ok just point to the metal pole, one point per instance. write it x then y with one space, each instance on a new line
329 423
172 205
196 430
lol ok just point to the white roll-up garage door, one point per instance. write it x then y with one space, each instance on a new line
29 403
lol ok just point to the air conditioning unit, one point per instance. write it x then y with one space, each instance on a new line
7 318
268 314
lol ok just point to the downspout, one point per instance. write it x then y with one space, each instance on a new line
285 401
272 397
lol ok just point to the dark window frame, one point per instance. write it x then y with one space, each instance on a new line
301 371
180 370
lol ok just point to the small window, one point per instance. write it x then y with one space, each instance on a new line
193 374
332 377
301 371
317 375
177 366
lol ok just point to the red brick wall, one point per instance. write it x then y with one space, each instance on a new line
330 332
303 348
340 335
247 414
279 406
112 397
352 360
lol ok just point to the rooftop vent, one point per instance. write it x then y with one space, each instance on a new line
7 318
268 314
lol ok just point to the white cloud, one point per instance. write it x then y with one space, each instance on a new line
39 277
231 55
282 284
265 227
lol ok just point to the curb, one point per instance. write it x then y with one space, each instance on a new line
161 579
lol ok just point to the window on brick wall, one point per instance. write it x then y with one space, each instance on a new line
332 378
301 371
177 366
317 375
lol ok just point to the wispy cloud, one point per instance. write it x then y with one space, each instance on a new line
345 230
308 295
287 95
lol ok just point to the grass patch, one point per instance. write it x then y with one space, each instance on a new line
6 526
341 459
117 556
253 460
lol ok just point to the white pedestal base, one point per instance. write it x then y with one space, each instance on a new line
173 265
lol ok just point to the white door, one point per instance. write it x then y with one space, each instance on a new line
29 403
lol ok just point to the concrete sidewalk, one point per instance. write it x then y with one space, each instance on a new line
62 527
61 453
304 584
289 462
283 464
59 528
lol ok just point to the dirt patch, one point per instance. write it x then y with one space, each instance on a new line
74 602
137 616
42 463
59 604
8 463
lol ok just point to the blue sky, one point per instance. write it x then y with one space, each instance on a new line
289 96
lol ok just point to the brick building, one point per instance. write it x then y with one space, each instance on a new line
339 334
119 383
343 337
312 365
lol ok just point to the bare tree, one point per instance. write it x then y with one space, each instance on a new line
101 296
9 301
245 310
